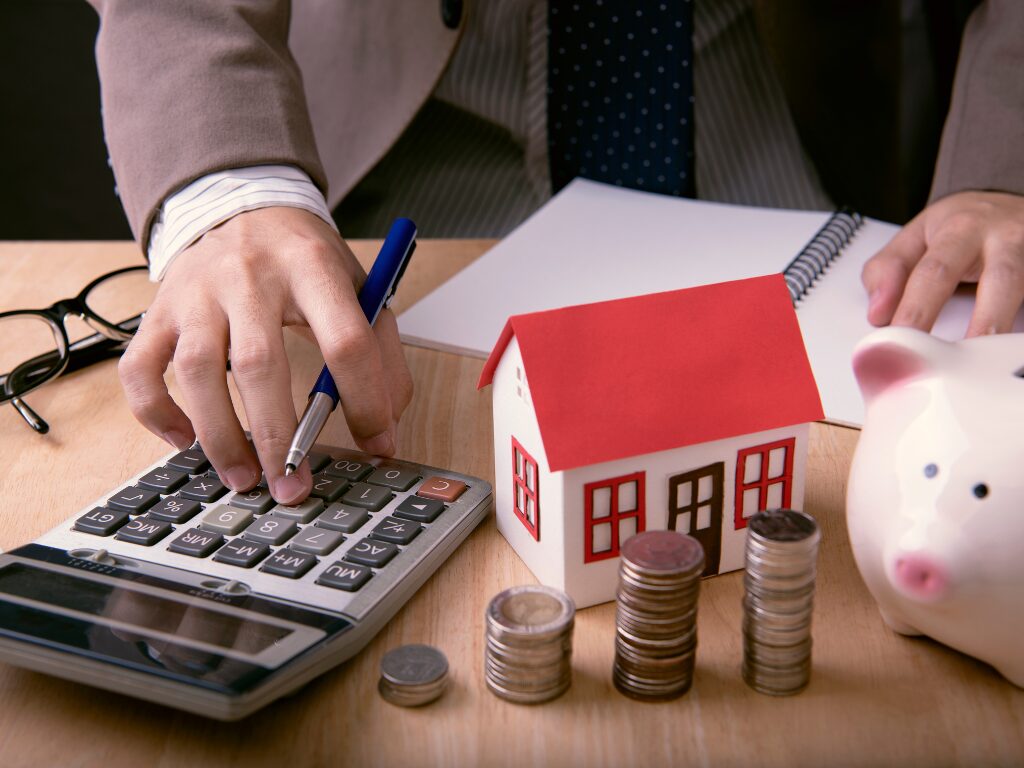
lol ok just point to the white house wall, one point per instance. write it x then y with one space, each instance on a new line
595 582
514 416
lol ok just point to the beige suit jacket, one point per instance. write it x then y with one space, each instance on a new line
193 86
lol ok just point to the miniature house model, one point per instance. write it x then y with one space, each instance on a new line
685 410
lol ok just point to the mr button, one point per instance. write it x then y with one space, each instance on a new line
442 489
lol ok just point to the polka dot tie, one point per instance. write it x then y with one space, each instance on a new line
620 93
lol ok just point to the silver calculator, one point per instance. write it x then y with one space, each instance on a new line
174 589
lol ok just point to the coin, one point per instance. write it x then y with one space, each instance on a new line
413 675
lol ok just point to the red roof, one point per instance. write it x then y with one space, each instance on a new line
639 375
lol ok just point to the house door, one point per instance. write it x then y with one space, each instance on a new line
695 507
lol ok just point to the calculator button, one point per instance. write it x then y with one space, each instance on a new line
442 489
367 496
271 529
349 470
257 500
316 541
396 531
342 575
205 489
134 500
165 480
396 479
196 543
328 488
144 530
101 521
303 512
242 553
225 519
175 509
285 562
338 517
375 554
191 460
419 509
317 461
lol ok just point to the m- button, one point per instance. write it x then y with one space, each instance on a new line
442 489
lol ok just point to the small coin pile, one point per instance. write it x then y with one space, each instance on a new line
656 615
782 547
413 675
529 644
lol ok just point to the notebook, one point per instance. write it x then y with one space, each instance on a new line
593 242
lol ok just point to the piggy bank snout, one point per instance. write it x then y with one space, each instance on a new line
920 577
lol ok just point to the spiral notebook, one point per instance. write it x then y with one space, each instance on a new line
593 242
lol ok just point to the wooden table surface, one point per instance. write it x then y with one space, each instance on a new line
875 698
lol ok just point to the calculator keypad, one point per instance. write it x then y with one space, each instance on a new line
359 514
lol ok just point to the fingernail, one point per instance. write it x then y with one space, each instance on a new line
288 488
241 478
178 439
382 444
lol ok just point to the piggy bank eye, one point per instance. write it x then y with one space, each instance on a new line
980 490
930 470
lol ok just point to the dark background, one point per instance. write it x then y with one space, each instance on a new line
871 128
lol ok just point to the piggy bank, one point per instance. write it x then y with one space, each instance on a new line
935 501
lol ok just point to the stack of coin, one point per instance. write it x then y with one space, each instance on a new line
413 675
656 615
529 644
782 547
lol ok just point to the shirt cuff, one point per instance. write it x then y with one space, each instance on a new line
194 210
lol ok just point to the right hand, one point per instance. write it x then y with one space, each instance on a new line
236 288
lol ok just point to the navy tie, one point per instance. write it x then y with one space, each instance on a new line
620 93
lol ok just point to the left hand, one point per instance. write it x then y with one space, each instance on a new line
965 237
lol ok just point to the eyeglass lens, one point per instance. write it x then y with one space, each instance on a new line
121 297
30 350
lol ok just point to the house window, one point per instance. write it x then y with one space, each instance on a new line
522 391
525 489
613 510
764 478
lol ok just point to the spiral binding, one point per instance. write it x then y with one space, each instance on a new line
820 252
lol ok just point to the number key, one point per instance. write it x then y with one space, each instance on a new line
370 497
328 488
347 469
258 500
316 541
338 517
393 478
271 529
225 519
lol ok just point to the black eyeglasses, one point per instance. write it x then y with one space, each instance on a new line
34 343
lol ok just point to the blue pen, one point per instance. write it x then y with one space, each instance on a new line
375 295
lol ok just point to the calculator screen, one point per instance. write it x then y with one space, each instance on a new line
130 609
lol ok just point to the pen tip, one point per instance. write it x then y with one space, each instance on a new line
288 469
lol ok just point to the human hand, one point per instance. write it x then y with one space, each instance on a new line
965 237
236 288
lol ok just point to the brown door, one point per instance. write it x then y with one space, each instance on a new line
695 507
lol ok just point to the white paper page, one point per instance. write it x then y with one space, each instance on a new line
593 242
833 318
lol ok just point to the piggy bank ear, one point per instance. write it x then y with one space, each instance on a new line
892 356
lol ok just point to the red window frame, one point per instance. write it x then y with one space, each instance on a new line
519 483
615 515
763 482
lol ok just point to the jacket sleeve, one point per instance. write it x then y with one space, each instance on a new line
983 139
189 87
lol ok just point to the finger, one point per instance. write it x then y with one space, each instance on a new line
350 349
259 365
885 274
199 366
141 370
948 259
396 370
1000 293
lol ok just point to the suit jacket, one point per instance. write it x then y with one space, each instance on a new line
224 85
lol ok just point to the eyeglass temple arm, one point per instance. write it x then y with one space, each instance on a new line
32 418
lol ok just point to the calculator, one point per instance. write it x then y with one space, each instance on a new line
175 589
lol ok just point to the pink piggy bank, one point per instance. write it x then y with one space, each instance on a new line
935 501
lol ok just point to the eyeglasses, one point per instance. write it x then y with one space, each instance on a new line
34 343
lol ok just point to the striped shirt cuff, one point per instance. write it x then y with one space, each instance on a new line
194 210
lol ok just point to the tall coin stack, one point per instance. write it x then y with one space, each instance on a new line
529 644
656 615
782 547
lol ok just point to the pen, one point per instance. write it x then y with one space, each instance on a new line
375 295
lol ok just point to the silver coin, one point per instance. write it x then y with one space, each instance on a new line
661 551
783 525
413 665
405 698
531 610
522 697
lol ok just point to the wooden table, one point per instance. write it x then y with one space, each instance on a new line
875 698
